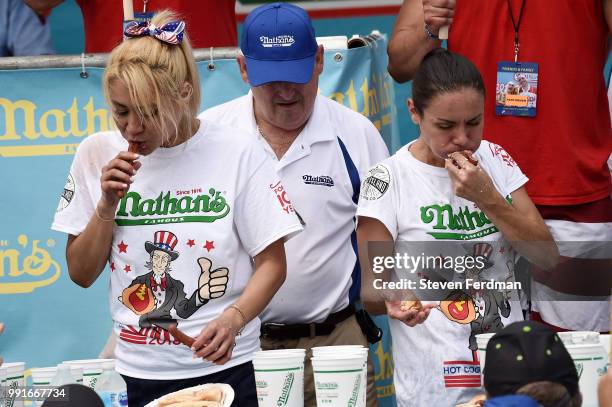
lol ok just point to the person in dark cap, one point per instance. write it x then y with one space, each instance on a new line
527 358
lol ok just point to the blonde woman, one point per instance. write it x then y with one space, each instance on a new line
178 218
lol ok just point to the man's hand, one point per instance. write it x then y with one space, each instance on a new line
211 284
438 13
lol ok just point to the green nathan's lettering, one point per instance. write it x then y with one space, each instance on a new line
445 218
135 209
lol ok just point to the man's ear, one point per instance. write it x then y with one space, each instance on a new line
319 59
242 66
414 115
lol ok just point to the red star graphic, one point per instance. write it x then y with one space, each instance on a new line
112 266
122 247
209 245
190 242
127 268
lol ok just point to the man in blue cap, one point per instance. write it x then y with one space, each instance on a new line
320 149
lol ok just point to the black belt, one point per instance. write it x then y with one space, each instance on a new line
281 332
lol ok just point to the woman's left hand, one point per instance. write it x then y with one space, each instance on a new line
469 180
217 340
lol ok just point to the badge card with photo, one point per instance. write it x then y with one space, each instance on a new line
516 92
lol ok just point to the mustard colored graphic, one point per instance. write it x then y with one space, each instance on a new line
22 270
459 307
40 127
153 295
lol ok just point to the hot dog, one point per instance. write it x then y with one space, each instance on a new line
182 337
467 154
132 148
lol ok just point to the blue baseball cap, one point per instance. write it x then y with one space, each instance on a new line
279 44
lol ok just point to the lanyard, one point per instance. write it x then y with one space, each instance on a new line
144 8
516 27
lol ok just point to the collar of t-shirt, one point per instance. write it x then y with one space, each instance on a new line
172 152
318 129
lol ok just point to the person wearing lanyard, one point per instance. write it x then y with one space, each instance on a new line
319 148
561 139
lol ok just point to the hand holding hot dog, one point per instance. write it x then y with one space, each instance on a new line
469 180
116 179
410 315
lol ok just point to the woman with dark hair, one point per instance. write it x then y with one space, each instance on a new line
449 185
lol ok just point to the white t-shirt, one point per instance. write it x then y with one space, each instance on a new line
321 260
208 201
436 363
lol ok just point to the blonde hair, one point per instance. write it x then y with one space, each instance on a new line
155 73
549 394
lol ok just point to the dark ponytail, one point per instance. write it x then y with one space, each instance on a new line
443 71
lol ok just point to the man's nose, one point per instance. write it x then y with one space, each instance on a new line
285 90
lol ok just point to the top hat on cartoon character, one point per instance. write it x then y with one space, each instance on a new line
164 241
279 44
483 251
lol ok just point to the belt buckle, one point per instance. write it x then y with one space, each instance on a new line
268 329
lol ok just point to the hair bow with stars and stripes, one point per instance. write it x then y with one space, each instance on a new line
170 33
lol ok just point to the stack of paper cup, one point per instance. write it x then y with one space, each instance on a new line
2 385
340 375
14 379
605 342
41 377
279 377
481 341
590 359
92 369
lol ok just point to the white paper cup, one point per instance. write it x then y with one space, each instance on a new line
41 377
339 380
481 341
14 379
605 342
590 359
279 378
342 351
274 353
92 369
337 350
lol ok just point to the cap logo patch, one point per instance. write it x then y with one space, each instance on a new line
278 41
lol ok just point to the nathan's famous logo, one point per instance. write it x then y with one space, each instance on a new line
278 41
191 206
26 267
355 393
286 390
444 217
23 121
